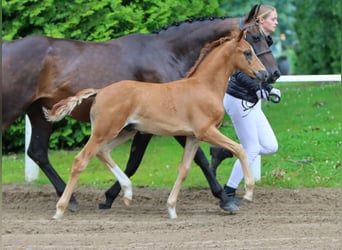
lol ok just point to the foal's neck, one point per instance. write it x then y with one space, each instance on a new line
216 68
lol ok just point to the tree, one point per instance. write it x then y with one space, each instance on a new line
92 21
318 29
97 20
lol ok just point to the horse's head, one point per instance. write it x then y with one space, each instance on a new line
260 43
246 60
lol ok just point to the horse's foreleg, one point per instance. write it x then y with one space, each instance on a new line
203 163
138 148
38 151
200 159
215 137
80 163
190 149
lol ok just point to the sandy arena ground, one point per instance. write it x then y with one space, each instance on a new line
277 219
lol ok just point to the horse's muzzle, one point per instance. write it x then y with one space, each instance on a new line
261 75
273 77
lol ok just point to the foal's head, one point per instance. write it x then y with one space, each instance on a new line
245 59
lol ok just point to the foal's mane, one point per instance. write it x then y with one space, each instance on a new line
204 52
210 47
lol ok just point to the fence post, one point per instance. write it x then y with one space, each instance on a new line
31 168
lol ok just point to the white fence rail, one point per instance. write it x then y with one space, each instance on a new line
32 170
310 78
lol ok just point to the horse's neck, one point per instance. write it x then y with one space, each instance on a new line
188 39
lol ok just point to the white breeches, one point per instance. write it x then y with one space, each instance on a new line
254 132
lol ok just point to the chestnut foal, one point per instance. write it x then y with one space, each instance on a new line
190 107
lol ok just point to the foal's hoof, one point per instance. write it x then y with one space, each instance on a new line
73 206
127 201
58 215
172 212
248 197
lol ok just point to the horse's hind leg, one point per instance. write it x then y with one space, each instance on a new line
215 137
190 149
38 151
80 163
138 148
104 156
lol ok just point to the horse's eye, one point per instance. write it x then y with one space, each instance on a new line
256 38
248 53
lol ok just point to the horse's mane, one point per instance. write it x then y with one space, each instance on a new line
253 13
191 20
205 51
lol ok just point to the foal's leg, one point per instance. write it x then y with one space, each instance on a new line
190 149
202 162
122 178
138 148
80 163
215 137
104 156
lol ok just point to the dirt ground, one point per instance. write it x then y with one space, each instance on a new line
277 219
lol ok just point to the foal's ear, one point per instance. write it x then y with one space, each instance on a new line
242 34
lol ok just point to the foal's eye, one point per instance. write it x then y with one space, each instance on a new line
248 53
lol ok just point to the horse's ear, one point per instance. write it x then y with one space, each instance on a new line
252 15
242 35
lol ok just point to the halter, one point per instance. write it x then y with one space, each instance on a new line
260 30
244 103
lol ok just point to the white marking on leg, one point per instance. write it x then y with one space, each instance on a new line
172 212
59 214
124 181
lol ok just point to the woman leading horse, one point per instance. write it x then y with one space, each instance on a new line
190 107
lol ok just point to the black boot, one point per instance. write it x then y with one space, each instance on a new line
231 194
217 156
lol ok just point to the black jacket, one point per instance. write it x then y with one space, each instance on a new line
244 87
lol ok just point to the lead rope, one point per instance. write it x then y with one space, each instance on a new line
245 105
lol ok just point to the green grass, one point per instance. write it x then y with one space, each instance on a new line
307 123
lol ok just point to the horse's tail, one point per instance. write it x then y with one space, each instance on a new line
65 106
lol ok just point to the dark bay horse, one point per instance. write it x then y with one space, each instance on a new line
190 107
39 71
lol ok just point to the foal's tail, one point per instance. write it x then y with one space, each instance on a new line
66 106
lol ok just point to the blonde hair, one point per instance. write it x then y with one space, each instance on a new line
264 11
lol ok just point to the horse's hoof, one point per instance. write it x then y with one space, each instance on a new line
127 201
73 206
248 197
58 215
108 203
104 206
172 212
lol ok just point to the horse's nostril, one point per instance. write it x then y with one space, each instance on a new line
276 75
